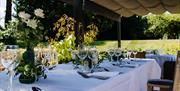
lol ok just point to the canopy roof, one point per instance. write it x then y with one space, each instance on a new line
140 7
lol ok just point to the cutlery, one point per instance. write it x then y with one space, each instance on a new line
92 76
127 66
104 69
121 73
36 89
51 68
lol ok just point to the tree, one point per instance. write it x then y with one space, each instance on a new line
163 25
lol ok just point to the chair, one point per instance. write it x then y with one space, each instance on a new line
139 55
1 68
166 84
169 70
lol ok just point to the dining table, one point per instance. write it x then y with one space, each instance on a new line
131 75
161 58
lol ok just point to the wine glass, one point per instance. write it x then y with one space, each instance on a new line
11 47
82 54
54 55
134 53
74 54
10 60
118 53
129 54
93 56
45 58
111 53
37 57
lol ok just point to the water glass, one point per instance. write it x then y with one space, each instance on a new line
10 60
134 53
82 54
111 53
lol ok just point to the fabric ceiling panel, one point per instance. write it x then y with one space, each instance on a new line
140 7
140 11
157 10
125 12
149 3
129 4
170 2
175 9
108 4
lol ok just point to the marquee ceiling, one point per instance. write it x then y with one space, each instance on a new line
140 7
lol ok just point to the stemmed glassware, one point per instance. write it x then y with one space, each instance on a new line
111 53
118 53
45 55
10 60
93 56
134 53
129 54
74 54
82 54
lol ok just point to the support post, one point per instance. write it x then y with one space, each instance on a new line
119 31
77 17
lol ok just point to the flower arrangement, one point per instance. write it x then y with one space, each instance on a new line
31 31
30 27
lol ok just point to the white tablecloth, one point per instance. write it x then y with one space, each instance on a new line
161 58
64 78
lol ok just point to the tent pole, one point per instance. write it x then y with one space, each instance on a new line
77 16
119 31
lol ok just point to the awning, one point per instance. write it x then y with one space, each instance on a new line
140 7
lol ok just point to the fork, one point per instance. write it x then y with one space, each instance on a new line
92 76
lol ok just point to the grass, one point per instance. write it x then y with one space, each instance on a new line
168 46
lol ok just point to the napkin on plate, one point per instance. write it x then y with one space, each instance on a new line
130 65
104 74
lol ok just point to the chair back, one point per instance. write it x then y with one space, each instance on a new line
176 86
139 55
1 68
169 70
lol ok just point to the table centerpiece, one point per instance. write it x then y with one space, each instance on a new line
30 30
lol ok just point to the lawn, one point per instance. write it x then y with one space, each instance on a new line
168 46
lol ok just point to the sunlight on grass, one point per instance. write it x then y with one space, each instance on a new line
168 46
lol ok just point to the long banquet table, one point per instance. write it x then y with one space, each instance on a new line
161 58
65 78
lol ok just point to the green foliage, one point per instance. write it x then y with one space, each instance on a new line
7 35
63 48
133 27
28 69
167 46
1 46
163 25
64 28
91 34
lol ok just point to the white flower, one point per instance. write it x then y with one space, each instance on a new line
70 42
24 16
69 37
39 13
61 42
32 23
